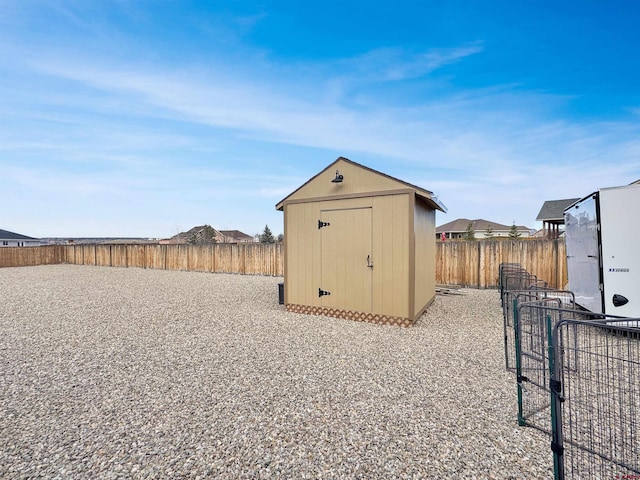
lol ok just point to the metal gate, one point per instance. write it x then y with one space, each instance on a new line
595 367
518 286
532 349
578 378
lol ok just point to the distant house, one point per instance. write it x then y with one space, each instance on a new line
482 229
196 234
235 236
11 239
552 216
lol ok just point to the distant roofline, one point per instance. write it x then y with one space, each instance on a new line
7 235
479 224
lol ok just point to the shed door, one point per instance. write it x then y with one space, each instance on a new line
346 259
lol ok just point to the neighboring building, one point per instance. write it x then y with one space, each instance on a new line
196 233
359 245
552 216
11 239
483 229
183 238
235 236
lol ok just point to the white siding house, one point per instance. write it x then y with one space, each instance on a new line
11 239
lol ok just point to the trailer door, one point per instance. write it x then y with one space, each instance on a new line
583 253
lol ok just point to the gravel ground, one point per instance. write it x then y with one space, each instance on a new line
132 373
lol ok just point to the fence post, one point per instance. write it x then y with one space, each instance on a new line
519 378
480 264
555 385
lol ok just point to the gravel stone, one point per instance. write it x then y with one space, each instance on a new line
129 373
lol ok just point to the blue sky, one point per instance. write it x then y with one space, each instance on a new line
145 118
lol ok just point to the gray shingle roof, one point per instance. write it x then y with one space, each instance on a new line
460 225
235 234
553 210
7 235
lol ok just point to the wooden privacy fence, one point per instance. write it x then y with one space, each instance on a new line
473 264
476 263
31 256
250 259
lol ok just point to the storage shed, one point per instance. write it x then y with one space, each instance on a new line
359 245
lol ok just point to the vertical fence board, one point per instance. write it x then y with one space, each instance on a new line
155 256
182 257
119 256
223 258
103 255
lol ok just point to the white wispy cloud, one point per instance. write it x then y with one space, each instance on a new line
498 148
456 132
395 64
267 112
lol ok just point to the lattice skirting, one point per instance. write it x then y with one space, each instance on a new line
350 315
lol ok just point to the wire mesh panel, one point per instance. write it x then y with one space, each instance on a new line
533 323
518 280
512 298
532 367
503 270
596 432
512 279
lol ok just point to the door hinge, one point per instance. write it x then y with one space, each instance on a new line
322 293
322 224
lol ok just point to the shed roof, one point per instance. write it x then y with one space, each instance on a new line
553 210
388 183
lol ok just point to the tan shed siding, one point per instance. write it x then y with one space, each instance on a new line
391 255
425 256
390 251
412 256
303 254
356 180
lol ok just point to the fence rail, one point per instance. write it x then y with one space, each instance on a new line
467 263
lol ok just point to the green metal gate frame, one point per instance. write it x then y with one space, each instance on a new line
609 350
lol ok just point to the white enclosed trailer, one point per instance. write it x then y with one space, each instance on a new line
603 250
